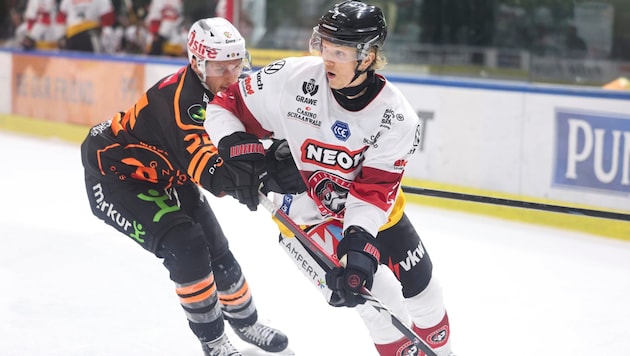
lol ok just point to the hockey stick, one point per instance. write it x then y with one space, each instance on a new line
516 203
331 262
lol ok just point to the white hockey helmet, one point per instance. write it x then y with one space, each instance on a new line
215 39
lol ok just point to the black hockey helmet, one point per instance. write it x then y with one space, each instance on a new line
354 24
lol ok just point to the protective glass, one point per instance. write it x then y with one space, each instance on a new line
336 50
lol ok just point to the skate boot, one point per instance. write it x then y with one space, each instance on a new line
219 347
266 338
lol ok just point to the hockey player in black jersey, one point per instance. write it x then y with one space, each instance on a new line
143 173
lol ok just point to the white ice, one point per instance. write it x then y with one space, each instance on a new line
71 285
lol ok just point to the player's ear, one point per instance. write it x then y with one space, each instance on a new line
368 61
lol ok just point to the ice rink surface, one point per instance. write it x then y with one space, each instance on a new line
73 286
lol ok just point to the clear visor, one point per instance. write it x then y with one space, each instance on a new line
334 50
229 68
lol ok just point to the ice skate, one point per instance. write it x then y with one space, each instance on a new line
266 338
219 347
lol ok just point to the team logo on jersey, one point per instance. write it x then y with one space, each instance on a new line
197 113
274 67
331 157
341 130
331 192
310 87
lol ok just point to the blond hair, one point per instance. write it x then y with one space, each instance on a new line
379 61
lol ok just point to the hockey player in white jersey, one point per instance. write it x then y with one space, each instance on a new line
42 31
350 133
167 35
88 25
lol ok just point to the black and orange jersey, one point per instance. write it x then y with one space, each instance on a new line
160 140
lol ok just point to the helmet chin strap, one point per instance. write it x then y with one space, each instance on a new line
354 91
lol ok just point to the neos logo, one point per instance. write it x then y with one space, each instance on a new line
341 130
593 150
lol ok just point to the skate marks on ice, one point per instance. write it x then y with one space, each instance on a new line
74 286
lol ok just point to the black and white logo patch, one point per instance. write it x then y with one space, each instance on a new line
310 87
274 67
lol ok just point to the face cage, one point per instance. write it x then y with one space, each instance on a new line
315 44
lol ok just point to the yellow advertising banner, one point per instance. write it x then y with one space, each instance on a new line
72 90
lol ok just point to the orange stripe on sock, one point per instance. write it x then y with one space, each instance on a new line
198 297
236 298
195 288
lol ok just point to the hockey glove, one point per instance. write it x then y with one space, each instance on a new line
361 259
244 162
283 176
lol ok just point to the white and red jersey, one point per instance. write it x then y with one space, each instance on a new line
352 161
83 15
165 18
40 20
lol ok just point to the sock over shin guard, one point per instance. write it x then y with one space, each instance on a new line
401 347
435 337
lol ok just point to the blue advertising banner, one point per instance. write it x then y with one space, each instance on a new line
593 150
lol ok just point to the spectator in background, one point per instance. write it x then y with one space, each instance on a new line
575 45
41 31
131 18
7 26
12 26
167 35
88 25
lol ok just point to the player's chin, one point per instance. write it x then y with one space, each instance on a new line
334 82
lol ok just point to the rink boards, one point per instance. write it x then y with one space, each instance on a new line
555 145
